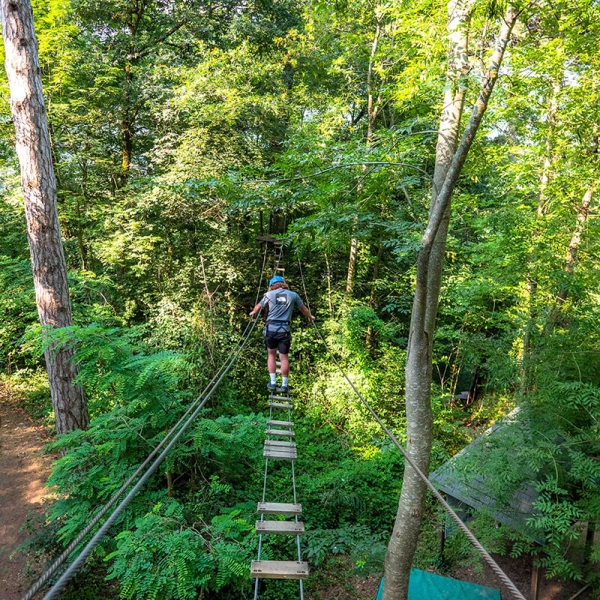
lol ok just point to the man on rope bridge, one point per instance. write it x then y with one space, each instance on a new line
279 302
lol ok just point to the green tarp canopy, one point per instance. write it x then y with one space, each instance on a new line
427 586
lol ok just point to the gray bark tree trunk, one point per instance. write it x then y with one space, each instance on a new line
38 183
542 209
403 542
583 211
372 111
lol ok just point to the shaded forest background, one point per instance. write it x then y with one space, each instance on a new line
181 131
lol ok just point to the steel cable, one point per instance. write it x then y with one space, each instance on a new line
61 559
50 571
474 541
78 562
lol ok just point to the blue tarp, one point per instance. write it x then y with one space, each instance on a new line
427 586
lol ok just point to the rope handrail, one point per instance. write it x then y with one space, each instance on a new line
202 399
43 579
474 541
78 562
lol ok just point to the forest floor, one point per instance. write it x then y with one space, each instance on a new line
23 473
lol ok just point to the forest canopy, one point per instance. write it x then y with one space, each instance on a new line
184 133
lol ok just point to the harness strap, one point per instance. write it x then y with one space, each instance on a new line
281 326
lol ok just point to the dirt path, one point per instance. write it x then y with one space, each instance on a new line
23 472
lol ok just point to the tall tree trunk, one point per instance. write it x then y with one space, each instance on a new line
459 16
373 105
372 111
583 211
352 258
126 126
39 192
542 209
419 420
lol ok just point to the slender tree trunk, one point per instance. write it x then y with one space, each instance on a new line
459 15
542 209
372 111
329 286
419 420
126 126
352 265
372 105
38 183
376 273
583 211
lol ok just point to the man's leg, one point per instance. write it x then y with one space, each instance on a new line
285 365
285 371
271 358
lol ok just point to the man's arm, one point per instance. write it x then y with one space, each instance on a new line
306 313
255 310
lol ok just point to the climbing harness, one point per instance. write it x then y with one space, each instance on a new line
474 541
276 449
276 327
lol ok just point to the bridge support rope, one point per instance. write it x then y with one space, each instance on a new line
474 541
195 406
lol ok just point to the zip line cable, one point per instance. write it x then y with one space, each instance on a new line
201 398
474 541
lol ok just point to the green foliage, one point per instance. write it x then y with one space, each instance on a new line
179 135
163 556
365 549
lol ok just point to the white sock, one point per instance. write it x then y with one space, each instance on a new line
284 381
273 377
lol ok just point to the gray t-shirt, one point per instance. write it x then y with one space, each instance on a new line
281 304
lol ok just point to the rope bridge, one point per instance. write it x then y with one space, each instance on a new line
275 449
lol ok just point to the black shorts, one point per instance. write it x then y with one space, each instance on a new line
281 340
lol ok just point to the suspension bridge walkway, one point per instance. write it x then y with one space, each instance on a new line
284 450
279 447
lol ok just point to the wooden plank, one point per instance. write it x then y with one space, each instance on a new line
280 405
287 454
280 527
278 508
280 432
279 569
275 397
281 452
275 444
280 423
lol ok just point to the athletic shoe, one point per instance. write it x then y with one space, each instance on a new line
272 386
282 390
